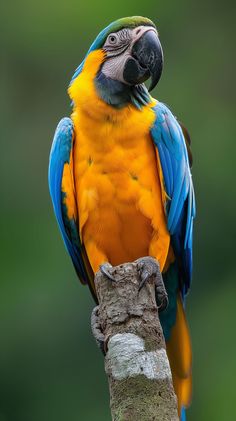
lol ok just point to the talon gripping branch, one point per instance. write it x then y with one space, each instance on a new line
119 176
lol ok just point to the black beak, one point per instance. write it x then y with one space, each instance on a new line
146 61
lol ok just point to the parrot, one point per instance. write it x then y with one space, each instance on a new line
120 177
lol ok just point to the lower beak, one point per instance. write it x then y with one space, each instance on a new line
146 61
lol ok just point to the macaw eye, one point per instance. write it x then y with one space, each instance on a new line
112 39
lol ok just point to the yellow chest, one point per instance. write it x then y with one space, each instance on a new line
117 187
113 163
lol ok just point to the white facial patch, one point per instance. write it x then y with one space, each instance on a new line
118 48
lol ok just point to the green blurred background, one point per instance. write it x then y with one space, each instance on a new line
50 367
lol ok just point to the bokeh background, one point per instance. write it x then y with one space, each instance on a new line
50 367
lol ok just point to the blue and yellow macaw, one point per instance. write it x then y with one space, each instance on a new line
119 176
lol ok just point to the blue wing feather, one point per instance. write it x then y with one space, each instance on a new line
59 156
169 139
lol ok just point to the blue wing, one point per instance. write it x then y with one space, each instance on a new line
180 207
60 156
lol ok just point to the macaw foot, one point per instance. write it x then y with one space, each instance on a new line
96 329
105 269
148 268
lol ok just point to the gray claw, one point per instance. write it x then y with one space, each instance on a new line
104 270
164 301
144 279
96 329
149 268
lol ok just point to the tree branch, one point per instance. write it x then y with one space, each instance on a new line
127 328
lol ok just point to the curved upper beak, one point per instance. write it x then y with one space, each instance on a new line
146 60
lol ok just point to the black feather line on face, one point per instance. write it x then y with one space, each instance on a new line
140 96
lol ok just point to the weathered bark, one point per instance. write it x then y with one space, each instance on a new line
136 362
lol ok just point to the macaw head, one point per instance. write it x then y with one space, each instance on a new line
132 54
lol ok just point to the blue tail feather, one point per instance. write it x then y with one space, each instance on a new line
183 415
